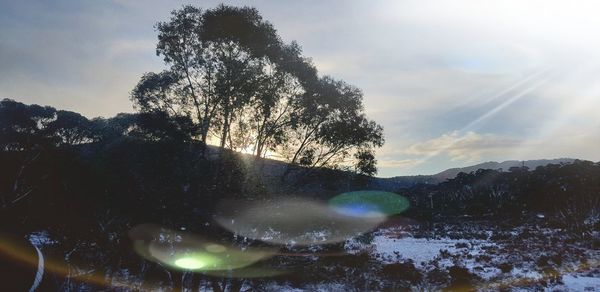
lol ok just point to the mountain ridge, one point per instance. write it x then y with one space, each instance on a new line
397 182
504 165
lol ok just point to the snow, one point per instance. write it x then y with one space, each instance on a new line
487 273
580 283
418 249
520 273
40 238
388 247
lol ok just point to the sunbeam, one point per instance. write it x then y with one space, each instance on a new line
573 109
538 78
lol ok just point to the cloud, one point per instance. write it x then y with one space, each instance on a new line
122 47
426 69
469 147
398 164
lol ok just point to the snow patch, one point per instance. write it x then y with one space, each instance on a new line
579 283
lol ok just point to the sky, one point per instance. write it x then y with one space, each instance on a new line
453 83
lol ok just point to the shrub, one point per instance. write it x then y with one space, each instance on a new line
403 271
437 276
461 278
505 267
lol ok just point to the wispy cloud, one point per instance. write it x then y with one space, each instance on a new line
399 164
469 147
123 47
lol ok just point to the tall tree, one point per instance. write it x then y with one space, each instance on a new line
365 162
331 125
70 128
229 71
213 58
266 120
23 127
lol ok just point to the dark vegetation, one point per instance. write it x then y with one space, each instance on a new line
87 182
231 80
565 196
239 84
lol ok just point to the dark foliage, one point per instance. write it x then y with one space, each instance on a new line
87 182
566 195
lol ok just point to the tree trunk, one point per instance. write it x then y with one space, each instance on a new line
225 130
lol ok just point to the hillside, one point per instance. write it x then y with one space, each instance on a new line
102 195
398 182
504 166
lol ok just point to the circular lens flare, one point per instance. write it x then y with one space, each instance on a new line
369 204
180 250
215 248
294 221
359 210
189 263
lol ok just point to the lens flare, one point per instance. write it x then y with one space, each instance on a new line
361 209
368 204
186 251
189 263
293 221
215 248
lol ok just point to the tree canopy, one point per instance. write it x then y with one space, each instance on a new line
229 72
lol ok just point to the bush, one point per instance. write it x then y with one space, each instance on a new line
543 261
437 276
557 259
461 278
505 267
403 271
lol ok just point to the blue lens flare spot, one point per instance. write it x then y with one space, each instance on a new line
369 203
359 210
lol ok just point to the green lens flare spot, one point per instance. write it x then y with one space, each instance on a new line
190 263
369 203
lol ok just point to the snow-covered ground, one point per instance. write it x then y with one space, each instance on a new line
420 250
40 238
516 262
580 283
525 258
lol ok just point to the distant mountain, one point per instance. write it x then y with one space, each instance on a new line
397 182
272 170
505 166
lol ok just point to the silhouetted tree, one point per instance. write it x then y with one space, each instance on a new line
214 58
366 163
330 125
70 128
22 126
229 71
